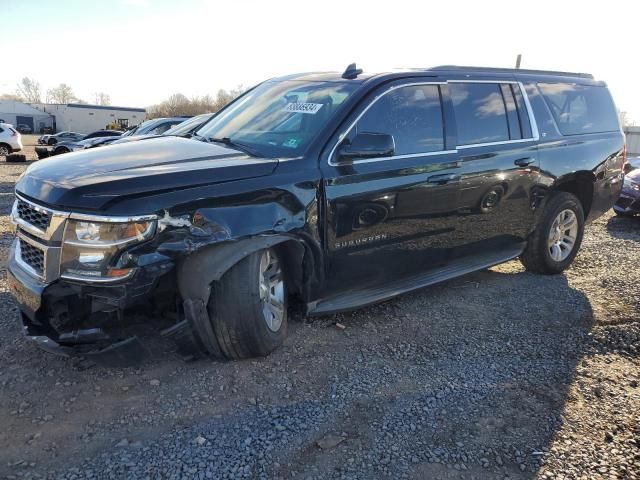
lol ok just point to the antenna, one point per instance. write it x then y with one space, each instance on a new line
518 60
351 72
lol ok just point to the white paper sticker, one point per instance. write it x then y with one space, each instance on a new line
311 108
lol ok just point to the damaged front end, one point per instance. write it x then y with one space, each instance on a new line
73 276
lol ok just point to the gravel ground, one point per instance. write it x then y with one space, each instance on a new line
499 374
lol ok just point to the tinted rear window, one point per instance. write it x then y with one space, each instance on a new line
580 108
481 113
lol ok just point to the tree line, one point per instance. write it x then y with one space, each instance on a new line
178 104
28 90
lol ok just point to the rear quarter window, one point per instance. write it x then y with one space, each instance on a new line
579 109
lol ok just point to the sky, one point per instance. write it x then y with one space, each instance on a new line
142 51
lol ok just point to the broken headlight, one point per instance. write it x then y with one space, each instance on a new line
90 249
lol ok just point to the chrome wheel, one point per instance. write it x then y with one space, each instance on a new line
563 235
4 151
271 290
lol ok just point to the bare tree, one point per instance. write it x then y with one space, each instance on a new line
179 104
625 119
29 90
63 93
102 98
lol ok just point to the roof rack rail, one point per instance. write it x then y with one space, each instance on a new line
511 70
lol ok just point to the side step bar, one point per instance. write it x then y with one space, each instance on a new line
374 294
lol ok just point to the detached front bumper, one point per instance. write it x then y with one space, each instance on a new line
43 309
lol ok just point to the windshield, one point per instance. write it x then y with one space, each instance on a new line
279 119
188 125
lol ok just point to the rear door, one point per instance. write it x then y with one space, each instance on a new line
497 148
390 217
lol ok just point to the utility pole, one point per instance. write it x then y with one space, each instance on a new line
518 60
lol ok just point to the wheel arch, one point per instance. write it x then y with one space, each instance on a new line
197 271
581 184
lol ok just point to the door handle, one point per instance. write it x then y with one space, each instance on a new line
444 178
524 162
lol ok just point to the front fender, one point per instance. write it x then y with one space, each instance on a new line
196 272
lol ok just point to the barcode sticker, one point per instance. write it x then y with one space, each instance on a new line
311 108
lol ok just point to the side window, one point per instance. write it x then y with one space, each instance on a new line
580 108
411 114
481 113
160 129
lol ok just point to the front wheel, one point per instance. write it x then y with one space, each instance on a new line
248 306
555 242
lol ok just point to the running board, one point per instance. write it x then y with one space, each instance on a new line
375 294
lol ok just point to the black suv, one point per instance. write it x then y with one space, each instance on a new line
337 190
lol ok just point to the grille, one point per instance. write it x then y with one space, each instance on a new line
32 256
32 216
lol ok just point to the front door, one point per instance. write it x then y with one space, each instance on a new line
392 216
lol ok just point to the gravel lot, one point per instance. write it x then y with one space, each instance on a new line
500 374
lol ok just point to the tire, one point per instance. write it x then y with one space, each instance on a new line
52 141
4 150
544 252
239 312
15 158
61 150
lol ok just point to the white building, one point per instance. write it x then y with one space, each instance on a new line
18 113
81 118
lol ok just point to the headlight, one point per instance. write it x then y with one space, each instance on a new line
91 249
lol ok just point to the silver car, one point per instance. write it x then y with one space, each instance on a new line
60 137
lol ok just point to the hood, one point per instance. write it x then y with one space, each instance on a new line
89 179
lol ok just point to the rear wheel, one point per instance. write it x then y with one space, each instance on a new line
61 150
4 150
554 244
248 306
52 141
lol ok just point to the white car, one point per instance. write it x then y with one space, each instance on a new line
10 139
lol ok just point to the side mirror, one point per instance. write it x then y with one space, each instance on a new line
367 145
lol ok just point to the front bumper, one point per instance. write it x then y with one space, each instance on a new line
628 202
48 314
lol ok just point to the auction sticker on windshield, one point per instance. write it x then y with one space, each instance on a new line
297 107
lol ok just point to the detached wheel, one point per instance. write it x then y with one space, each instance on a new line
248 306
554 244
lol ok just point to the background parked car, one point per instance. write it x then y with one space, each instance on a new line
24 129
59 137
157 126
103 133
66 147
183 129
628 203
10 139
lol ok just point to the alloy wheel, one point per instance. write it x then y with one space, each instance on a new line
271 290
563 235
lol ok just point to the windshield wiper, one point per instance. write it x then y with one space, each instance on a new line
235 144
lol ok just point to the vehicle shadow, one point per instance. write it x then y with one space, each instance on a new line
477 373
625 228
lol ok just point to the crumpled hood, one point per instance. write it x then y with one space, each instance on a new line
88 179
